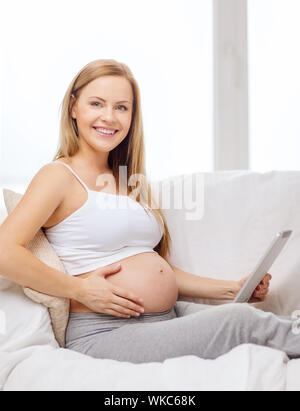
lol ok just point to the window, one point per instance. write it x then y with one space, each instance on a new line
274 84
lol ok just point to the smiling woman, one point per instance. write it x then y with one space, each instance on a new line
106 130
91 228
88 113
106 117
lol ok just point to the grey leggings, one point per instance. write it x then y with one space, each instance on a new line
186 329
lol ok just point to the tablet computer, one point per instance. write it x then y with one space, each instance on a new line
263 266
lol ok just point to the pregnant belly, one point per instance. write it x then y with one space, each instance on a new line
148 276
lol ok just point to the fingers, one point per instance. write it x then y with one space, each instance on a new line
126 311
261 292
126 294
104 271
262 289
262 286
267 278
265 283
116 313
127 302
127 305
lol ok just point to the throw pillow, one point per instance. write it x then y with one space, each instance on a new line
42 249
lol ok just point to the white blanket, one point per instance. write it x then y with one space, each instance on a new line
246 367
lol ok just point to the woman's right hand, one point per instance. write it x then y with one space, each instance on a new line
100 296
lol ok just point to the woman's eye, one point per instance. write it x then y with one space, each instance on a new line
96 102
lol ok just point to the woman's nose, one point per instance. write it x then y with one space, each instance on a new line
108 114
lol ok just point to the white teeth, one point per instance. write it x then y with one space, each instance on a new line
105 131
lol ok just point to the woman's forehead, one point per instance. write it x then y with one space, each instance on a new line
109 88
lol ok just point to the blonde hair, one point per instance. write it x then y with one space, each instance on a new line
130 152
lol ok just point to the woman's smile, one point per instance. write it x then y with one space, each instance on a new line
102 132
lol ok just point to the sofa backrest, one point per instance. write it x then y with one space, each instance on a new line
242 212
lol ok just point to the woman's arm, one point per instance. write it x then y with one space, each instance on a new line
20 266
43 195
191 285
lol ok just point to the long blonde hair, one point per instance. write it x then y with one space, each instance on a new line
130 152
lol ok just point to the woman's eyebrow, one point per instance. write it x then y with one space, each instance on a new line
99 98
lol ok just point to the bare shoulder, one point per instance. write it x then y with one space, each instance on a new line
43 196
54 169
51 176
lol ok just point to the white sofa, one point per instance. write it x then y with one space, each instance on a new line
242 212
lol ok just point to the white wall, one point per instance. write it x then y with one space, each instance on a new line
168 46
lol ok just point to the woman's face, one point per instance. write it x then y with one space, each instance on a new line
106 102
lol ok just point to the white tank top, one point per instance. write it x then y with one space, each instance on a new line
104 230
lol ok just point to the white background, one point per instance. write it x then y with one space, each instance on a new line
274 84
167 45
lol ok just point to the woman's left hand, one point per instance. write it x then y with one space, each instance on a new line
261 291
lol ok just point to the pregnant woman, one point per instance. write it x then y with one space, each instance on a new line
114 241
